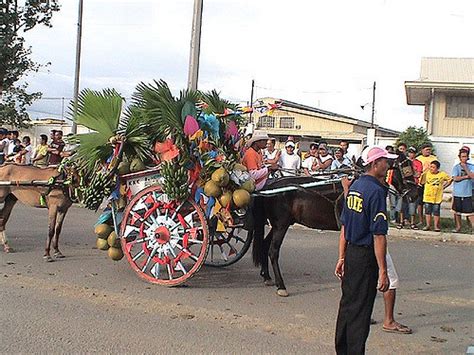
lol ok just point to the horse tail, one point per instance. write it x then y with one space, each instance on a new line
258 231
257 248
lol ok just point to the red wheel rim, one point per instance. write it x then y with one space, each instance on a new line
165 241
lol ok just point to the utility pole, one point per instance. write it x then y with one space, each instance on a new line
251 101
193 71
373 107
78 63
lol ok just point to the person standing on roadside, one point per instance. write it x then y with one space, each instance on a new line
362 263
4 142
416 206
463 177
55 148
40 155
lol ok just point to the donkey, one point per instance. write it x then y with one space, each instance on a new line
318 208
56 196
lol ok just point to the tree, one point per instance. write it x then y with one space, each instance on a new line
414 137
15 61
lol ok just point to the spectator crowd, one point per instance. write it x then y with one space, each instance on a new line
14 150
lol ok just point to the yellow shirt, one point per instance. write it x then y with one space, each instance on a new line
433 192
425 161
43 151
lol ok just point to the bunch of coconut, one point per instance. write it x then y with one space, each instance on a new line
132 165
108 240
231 189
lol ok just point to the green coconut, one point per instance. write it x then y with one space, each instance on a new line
113 240
241 198
212 189
225 198
248 185
137 165
115 253
103 230
239 167
220 177
123 168
102 244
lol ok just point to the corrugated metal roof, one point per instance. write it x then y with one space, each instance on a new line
455 70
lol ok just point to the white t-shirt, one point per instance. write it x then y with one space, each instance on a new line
308 162
11 146
269 156
5 142
290 164
326 158
28 154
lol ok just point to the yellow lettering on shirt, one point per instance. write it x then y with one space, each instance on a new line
354 203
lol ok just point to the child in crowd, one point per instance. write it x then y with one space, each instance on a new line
435 181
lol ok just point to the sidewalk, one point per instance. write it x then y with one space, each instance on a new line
430 235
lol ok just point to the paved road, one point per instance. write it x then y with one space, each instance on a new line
87 303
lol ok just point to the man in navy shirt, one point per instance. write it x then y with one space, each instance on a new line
362 249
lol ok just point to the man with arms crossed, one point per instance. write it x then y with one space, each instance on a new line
362 263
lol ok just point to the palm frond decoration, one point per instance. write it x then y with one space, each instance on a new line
162 112
216 104
101 112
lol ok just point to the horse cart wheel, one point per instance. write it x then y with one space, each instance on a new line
165 241
227 247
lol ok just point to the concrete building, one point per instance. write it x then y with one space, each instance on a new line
446 90
283 118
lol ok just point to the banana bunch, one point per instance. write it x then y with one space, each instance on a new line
98 188
175 180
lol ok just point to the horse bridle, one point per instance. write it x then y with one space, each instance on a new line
405 182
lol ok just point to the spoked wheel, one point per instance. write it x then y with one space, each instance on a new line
165 241
226 248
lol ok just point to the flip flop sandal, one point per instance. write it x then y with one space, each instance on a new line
437 230
399 328
399 226
414 226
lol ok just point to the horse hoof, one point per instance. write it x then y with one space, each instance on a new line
269 283
58 255
48 258
282 292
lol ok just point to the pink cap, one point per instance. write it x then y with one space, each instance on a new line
372 153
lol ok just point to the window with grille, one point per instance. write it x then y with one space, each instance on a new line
460 106
287 122
266 121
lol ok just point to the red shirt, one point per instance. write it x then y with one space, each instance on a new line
418 169
252 159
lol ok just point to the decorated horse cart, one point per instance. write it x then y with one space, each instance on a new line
168 170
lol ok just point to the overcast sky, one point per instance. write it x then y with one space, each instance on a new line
321 53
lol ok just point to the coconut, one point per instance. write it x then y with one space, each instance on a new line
241 197
115 253
103 230
136 165
220 177
248 185
239 167
113 240
123 168
212 189
225 198
102 244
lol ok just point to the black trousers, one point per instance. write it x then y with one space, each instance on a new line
359 287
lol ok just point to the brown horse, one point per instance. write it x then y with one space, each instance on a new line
317 207
17 184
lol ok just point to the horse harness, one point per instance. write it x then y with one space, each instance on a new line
63 180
